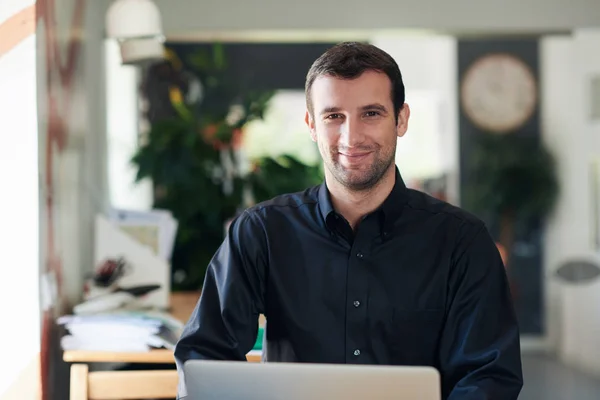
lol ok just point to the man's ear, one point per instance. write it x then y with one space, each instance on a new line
310 122
403 117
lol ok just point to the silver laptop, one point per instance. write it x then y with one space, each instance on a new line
225 380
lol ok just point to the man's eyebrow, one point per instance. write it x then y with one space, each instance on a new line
374 106
368 107
328 110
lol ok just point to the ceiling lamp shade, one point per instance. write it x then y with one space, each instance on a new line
140 51
133 19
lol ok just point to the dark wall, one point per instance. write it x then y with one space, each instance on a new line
264 66
253 66
526 265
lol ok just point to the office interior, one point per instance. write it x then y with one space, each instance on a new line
85 133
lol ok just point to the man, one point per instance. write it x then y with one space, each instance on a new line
361 269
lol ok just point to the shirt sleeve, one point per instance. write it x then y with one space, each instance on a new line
480 355
224 324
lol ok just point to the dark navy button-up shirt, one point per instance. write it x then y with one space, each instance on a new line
419 282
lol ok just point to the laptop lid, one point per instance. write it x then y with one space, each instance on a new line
232 380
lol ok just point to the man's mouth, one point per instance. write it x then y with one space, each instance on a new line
354 154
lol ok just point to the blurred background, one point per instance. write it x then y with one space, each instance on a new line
133 131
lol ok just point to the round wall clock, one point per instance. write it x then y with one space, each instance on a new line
499 93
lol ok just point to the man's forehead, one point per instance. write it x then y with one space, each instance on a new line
325 97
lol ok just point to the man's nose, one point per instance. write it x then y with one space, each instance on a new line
351 132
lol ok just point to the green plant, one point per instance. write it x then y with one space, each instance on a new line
513 178
284 174
191 155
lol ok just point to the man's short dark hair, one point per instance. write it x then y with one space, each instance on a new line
348 60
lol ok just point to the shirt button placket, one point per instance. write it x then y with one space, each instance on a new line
356 316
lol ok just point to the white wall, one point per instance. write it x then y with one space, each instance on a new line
122 127
573 311
93 151
8 8
19 250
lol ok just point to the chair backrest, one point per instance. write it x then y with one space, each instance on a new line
122 385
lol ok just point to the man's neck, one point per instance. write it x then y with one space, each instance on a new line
354 205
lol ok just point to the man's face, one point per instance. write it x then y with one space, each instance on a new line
354 125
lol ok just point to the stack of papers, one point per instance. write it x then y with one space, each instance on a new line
120 332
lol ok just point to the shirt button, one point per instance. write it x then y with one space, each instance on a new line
357 352
356 303
359 255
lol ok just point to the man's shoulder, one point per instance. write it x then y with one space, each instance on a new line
467 229
286 202
429 205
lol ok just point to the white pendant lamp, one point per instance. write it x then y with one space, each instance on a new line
137 26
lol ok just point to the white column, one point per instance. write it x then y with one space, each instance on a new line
122 133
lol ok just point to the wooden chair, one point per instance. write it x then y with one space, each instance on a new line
122 385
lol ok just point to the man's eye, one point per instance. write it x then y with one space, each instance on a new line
334 116
372 113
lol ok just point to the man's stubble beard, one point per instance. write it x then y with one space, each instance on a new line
368 179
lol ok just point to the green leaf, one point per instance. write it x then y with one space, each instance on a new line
511 173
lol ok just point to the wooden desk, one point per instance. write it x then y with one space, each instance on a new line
182 305
148 357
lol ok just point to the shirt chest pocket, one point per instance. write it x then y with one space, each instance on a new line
413 336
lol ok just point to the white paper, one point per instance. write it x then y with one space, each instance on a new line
156 228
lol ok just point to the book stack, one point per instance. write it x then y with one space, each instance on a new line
125 331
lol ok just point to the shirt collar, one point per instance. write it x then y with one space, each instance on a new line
390 209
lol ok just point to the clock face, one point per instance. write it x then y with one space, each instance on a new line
499 93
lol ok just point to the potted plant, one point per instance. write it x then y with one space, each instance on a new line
513 178
197 112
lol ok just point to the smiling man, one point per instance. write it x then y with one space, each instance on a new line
361 269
